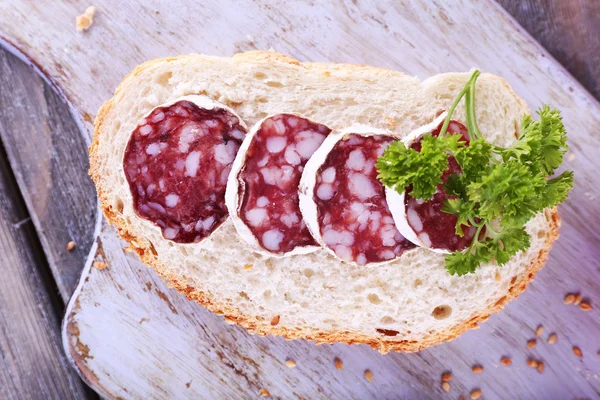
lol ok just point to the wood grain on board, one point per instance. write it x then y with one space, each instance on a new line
32 363
48 155
569 30
130 336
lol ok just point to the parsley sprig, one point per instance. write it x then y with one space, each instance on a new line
499 189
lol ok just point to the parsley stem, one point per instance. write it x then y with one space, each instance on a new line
461 94
470 109
475 239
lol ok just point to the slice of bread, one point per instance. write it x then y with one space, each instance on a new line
406 305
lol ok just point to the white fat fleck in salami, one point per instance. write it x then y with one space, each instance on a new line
344 203
263 185
177 162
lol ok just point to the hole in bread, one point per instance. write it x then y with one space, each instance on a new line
118 205
387 332
262 99
260 75
541 234
442 312
163 79
275 84
417 283
308 272
145 92
374 299
267 294
387 320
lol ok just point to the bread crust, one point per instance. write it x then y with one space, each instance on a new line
263 327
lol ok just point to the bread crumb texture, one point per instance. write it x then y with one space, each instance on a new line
318 297
84 21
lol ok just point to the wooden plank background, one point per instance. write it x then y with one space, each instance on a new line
47 200
47 155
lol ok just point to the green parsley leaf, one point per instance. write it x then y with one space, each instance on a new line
498 189
400 166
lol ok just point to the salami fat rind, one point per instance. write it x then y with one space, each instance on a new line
177 163
343 202
262 191
423 222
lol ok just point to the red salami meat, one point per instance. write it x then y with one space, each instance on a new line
435 228
270 174
353 215
177 163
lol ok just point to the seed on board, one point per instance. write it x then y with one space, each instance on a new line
532 363
264 392
553 338
290 363
578 298
531 343
338 363
99 265
369 375
569 298
70 245
577 351
446 386
585 305
475 394
477 369
505 361
540 367
461 398
447 376
539 331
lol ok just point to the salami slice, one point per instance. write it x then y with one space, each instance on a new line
177 163
262 193
344 203
424 222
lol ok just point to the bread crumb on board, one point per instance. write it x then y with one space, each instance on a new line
264 392
84 21
505 361
475 394
531 343
447 376
553 338
99 265
290 363
577 351
369 375
71 245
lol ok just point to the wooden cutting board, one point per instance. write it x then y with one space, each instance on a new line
130 336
